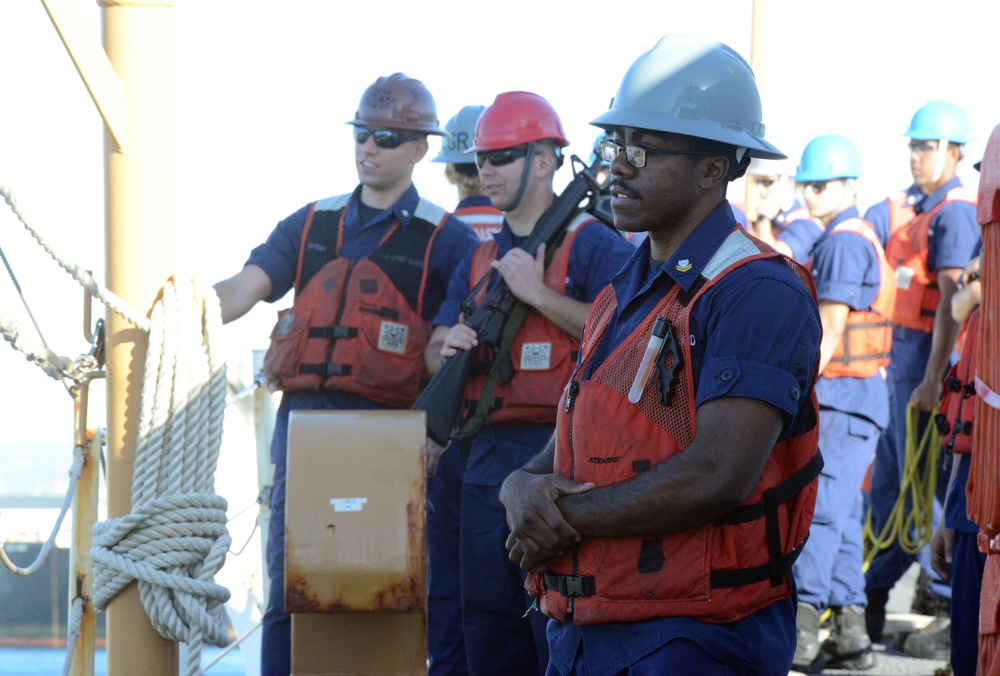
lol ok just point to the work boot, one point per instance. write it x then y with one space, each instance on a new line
808 658
926 601
849 646
933 642
875 613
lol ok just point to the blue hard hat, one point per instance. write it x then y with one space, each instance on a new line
828 157
462 128
938 120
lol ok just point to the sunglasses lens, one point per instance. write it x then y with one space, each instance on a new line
765 182
384 138
499 158
387 138
361 135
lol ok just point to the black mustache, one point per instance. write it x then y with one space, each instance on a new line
622 187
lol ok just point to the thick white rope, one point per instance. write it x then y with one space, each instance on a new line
54 366
79 274
73 627
74 475
175 539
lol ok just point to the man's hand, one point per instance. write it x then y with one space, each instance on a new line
942 543
926 396
459 337
523 274
538 529
432 455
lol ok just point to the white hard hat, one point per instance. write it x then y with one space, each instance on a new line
762 167
692 85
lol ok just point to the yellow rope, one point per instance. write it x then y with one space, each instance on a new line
912 530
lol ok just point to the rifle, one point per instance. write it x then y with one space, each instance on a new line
442 399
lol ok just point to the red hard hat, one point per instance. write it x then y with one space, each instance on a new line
398 102
517 118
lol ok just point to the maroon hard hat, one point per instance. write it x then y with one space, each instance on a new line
398 102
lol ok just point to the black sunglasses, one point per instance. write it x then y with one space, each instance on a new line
765 182
817 186
499 158
384 138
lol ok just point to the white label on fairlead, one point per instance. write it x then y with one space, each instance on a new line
903 277
348 504
536 356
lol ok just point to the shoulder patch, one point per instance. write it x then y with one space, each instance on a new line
430 212
735 247
333 203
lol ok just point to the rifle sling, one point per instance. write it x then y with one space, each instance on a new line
470 426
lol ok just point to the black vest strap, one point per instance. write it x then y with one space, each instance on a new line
736 577
776 496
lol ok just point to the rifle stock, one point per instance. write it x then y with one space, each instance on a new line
442 399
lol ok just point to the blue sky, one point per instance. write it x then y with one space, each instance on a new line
262 90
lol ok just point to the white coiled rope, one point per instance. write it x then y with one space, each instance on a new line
175 539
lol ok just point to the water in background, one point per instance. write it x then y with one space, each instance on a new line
50 661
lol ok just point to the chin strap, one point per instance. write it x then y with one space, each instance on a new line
525 173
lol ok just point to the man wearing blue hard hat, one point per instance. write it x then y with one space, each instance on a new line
932 232
856 290
661 522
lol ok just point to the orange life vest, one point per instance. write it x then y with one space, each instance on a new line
541 357
483 220
958 404
357 326
718 572
917 293
867 338
900 211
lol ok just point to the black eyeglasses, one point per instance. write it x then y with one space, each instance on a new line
636 155
384 138
817 186
921 147
499 158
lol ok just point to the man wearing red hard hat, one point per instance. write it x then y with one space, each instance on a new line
518 148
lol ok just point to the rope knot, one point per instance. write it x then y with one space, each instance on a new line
172 547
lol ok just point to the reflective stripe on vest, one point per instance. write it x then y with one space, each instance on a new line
484 221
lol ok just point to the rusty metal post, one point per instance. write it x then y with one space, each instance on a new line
81 573
140 254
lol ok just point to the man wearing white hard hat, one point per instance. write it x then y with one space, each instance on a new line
661 522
